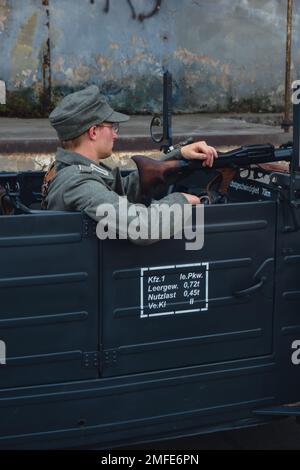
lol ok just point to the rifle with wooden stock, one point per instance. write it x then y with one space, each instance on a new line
156 175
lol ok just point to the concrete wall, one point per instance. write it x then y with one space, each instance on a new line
223 54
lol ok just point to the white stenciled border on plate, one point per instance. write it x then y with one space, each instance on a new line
172 312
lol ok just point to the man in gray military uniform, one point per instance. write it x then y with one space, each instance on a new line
87 127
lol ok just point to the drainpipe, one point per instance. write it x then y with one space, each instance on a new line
46 65
286 123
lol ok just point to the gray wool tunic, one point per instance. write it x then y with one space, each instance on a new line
81 185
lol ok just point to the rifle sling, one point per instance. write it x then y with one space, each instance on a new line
48 178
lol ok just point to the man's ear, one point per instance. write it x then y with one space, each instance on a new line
92 132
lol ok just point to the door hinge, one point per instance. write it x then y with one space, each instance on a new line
91 360
109 358
88 228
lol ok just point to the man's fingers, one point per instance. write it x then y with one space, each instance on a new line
198 156
212 152
207 160
207 149
215 153
191 199
204 148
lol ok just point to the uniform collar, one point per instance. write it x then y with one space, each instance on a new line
72 158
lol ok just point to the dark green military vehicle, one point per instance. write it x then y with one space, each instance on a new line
104 343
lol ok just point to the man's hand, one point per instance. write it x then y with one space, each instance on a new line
191 199
199 151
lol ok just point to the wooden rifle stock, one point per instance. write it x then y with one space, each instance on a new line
155 175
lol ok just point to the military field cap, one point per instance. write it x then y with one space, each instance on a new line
79 111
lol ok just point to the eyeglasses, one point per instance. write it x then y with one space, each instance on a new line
114 126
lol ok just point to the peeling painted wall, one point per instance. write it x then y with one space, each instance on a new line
22 40
223 54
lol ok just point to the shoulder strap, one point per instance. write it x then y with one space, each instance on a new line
48 178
